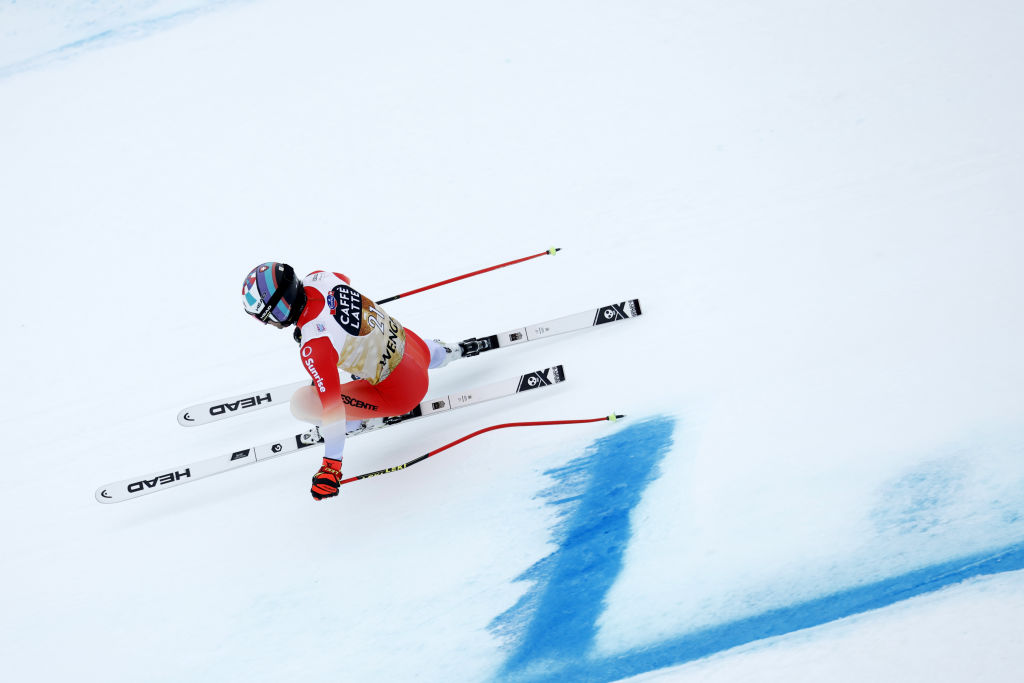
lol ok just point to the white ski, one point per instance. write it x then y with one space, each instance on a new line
118 491
549 328
205 413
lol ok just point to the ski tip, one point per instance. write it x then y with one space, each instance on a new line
102 496
554 250
613 417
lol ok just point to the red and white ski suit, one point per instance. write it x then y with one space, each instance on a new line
343 330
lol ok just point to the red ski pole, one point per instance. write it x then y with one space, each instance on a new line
609 418
552 251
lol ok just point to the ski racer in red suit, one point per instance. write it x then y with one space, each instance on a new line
342 330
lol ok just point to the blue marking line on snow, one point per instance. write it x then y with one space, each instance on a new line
129 30
554 622
552 629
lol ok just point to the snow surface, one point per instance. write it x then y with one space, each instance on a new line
822 471
951 635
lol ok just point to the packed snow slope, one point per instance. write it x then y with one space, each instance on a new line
819 205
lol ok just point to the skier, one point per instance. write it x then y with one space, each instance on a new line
339 328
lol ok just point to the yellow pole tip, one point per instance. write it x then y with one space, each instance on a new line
613 417
553 250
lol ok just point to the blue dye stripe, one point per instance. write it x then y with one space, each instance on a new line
128 30
553 624
551 630
693 646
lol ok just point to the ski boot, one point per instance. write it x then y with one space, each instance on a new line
451 352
